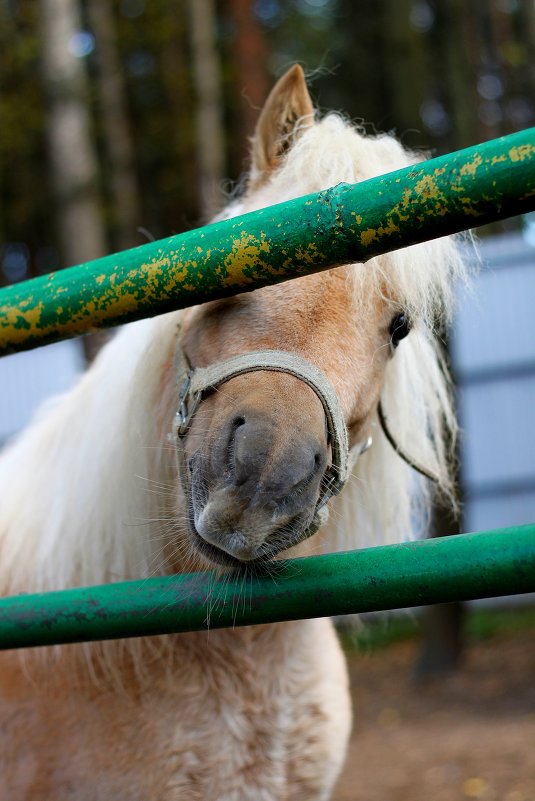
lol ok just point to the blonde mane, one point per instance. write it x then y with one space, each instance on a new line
85 489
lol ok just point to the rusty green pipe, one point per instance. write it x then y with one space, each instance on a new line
462 567
344 224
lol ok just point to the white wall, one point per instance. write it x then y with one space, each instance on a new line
493 351
26 379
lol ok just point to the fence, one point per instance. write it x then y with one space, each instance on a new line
344 224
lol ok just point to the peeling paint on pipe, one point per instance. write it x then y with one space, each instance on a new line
458 568
344 224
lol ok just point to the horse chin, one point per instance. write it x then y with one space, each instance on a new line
268 554
215 556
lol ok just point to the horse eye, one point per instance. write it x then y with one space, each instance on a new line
399 328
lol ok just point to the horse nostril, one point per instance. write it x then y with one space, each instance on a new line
236 424
320 462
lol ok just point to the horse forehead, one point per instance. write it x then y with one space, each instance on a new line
320 302
335 298
320 317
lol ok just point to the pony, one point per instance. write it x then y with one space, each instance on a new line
104 485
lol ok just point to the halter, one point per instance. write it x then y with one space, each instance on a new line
195 383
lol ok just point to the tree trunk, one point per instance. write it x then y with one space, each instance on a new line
73 162
125 200
443 642
443 624
177 82
209 111
249 56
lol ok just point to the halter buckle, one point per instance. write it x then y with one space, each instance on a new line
183 413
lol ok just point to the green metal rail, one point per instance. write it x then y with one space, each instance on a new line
338 226
462 567
344 224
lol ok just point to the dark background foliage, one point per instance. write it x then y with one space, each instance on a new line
443 74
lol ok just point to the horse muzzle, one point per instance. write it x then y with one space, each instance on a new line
249 497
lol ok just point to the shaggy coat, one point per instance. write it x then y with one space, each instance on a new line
90 495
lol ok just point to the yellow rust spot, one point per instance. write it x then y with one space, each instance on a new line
498 159
307 255
406 197
468 208
175 281
390 228
440 170
428 188
28 319
470 168
521 152
474 787
100 278
369 236
154 267
246 253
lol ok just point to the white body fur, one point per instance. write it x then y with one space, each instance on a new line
260 714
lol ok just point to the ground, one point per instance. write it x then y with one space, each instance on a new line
467 735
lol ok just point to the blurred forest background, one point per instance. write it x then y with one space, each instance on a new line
127 119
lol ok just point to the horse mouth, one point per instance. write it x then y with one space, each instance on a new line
216 555
275 544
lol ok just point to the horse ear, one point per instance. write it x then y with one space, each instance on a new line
287 111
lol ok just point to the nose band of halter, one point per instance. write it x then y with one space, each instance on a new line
196 383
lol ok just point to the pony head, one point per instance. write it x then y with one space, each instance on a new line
258 450
259 454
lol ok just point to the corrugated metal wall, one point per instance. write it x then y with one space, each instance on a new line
493 351
26 379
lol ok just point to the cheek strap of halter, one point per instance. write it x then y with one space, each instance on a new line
407 459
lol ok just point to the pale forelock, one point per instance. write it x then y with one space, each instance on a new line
419 278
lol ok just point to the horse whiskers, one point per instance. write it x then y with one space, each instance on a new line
162 536
164 484
181 549
148 521
161 447
163 490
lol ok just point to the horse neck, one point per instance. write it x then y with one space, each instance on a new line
75 499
